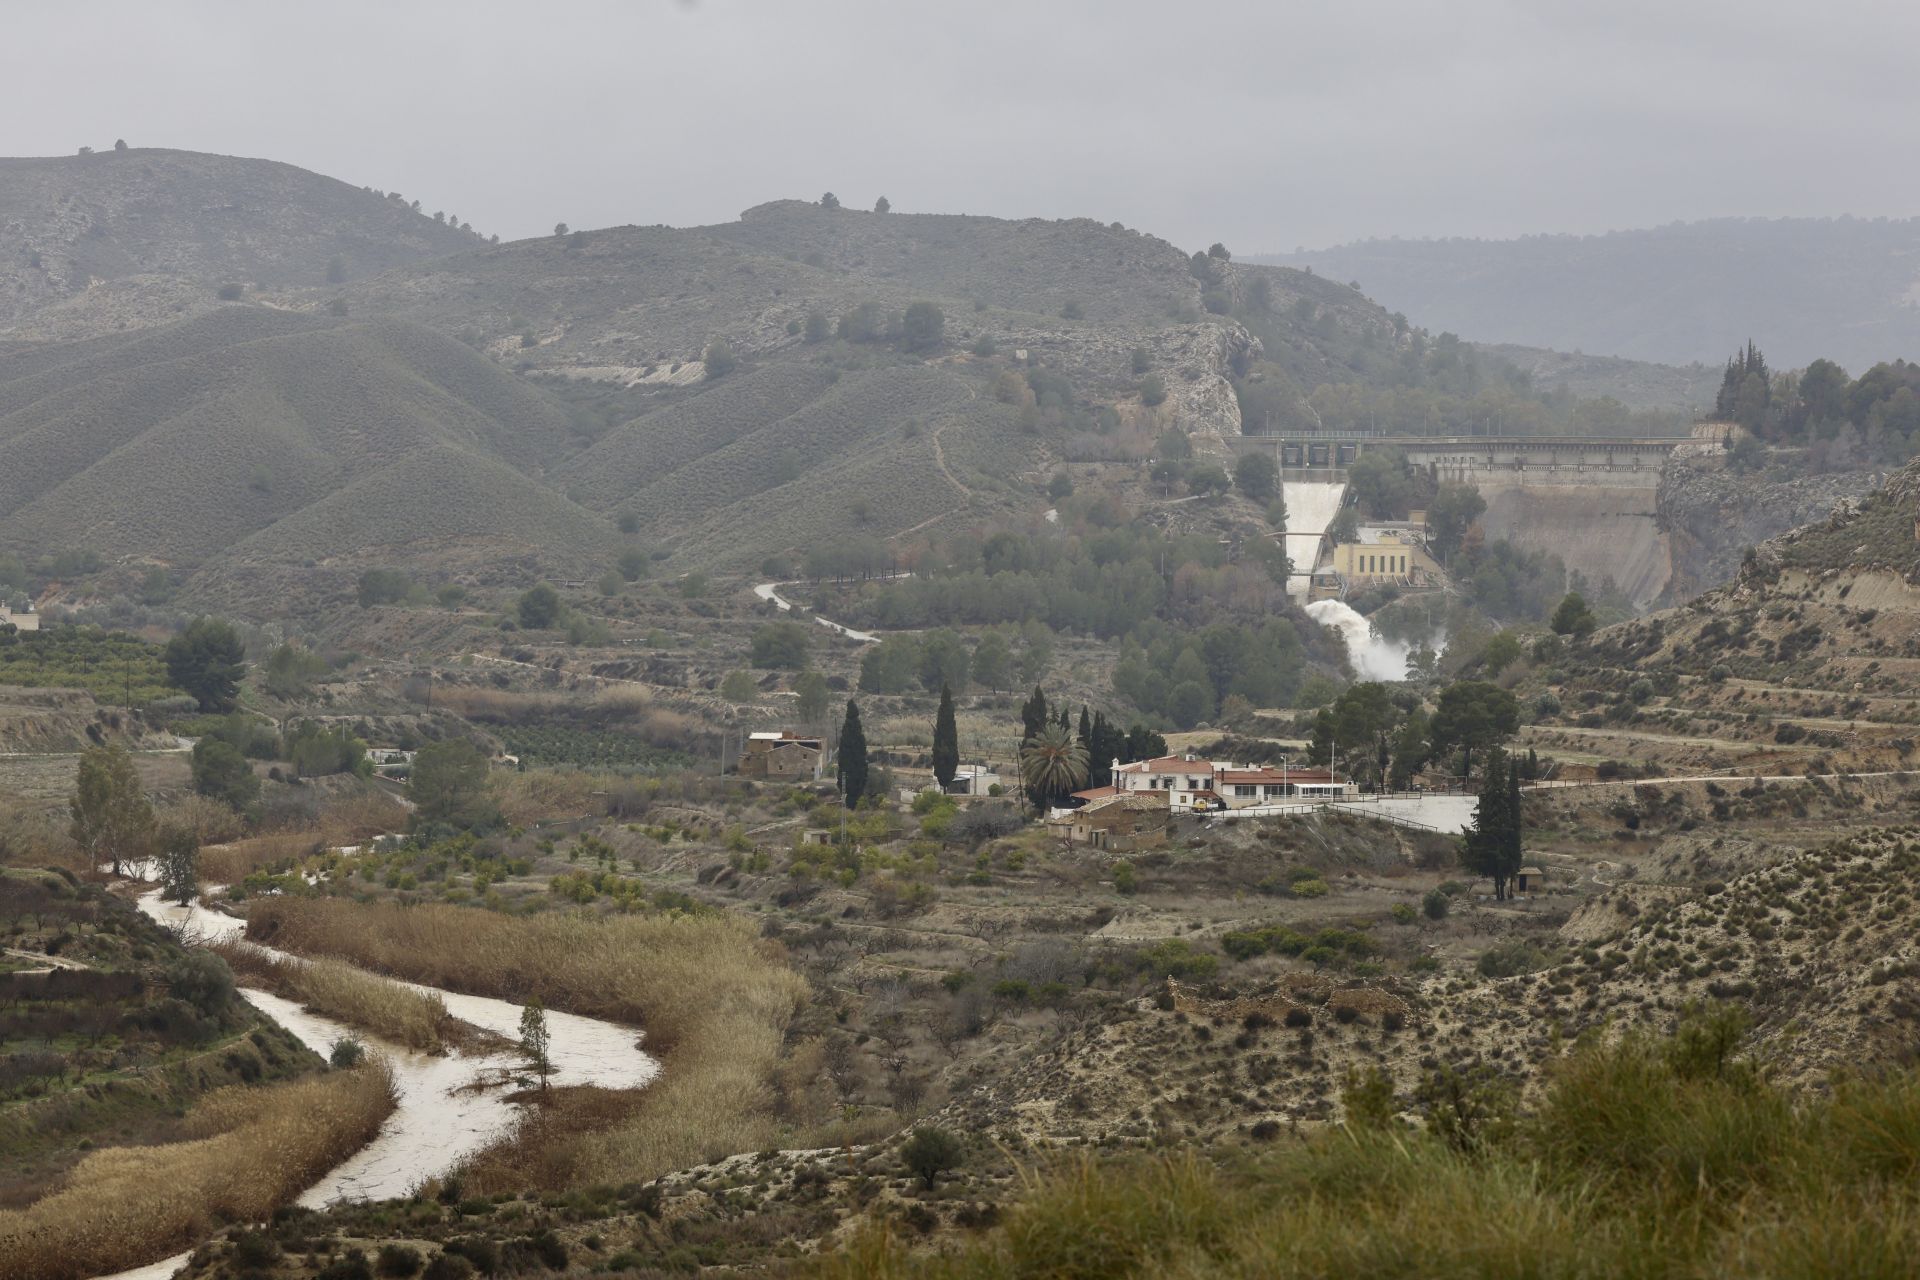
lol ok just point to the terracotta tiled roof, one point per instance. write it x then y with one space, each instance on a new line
1169 764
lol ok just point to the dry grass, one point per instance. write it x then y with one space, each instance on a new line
247 1152
546 794
713 998
233 862
349 818
419 1020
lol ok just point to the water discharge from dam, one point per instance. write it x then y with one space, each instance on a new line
1373 656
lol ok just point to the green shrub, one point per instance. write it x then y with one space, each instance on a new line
930 1152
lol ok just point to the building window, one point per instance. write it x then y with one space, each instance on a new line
1241 789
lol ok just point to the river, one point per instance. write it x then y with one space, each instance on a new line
449 1106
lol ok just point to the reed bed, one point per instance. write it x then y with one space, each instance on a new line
417 1019
233 862
247 1151
713 998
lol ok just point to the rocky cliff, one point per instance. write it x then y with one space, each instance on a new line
1711 515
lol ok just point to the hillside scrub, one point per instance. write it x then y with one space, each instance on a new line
713 1001
245 1153
1650 1157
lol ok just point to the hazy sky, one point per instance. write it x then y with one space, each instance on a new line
1267 125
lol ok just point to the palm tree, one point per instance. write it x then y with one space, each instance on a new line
1053 762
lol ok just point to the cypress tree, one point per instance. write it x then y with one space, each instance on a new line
1513 852
946 740
1492 839
852 768
1033 715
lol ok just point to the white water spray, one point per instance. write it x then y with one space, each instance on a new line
1374 658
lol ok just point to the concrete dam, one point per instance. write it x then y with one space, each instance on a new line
1592 501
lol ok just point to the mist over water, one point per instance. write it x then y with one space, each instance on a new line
1374 657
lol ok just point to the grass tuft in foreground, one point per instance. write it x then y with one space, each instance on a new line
1651 1157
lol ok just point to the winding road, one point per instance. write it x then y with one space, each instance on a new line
770 592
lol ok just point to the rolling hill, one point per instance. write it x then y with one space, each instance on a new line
516 405
1844 288
120 239
252 434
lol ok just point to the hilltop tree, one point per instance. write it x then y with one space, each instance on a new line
119 144
1494 847
559 228
112 820
883 205
1053 763
1218 252
851 765
1746 389
923 328
992 662
1474 715
781 645
291 671
944 661
208 660
1455 508
946 740
1257 477
930 1152
539 607
179 864
1410 750
221 773
1142 743
1572 617
535 1040
448 783
829 201
810 701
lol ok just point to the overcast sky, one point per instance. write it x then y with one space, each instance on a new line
1266 125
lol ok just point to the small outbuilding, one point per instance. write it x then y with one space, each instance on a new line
1528 880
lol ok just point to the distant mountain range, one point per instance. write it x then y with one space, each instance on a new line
1844 288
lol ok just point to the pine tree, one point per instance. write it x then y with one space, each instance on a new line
852 767
946 740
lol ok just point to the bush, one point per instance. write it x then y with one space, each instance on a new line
1436 905
347 1053
1510 959
232 291
1404 914
398 1260
203 980
453 1266
930 1152
1124 879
